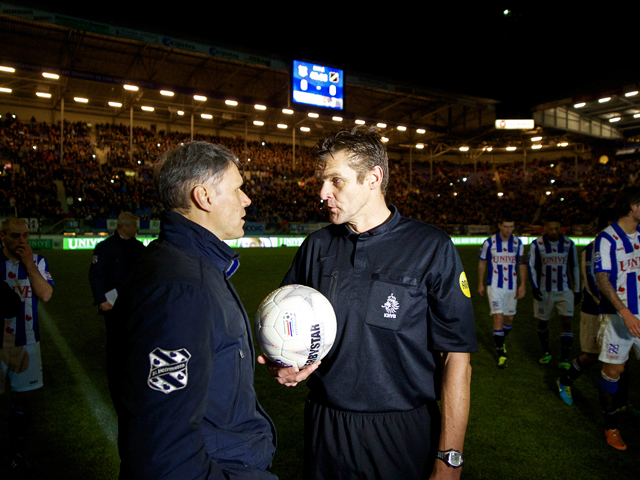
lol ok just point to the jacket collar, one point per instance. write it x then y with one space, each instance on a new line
193 238
380 229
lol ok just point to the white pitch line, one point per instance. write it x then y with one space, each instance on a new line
103 414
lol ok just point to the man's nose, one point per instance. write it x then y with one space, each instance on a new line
325 191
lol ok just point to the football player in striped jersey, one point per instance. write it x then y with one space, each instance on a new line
27 274
553 272
589 317
502 255
617 264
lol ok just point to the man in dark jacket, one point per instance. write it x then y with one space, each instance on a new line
113 260
186 404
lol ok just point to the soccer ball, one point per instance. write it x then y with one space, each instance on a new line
295 325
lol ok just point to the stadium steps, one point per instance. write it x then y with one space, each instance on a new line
61 195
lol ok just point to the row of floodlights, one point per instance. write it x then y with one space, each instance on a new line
548 192
286 111
199 98
501 194
608 99
535 146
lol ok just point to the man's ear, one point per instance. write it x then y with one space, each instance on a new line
202 197
374 178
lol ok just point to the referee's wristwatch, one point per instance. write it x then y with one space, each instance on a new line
453 458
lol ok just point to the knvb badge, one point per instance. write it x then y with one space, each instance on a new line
391 306
168 369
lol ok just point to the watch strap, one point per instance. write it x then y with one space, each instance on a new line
444 455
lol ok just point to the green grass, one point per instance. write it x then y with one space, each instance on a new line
518 427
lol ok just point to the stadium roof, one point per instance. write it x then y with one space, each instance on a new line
392 80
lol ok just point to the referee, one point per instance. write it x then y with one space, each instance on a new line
405 329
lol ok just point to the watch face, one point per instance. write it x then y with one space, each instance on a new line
455 459
452 458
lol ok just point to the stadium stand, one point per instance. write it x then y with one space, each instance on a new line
97 177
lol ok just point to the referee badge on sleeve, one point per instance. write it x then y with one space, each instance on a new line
464 285
168 370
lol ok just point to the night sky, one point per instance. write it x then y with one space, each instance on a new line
530 56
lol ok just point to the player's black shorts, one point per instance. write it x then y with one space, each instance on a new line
386 446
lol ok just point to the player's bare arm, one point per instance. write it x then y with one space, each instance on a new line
482 266
607 291
522 274
454 405
287 376
41 288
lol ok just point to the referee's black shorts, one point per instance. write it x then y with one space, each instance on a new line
386 446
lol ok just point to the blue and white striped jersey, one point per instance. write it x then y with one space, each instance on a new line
503 258
618 254
22 329
553 266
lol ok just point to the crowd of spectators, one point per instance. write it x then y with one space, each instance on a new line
98 176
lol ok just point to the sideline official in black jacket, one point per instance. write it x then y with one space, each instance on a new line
113 260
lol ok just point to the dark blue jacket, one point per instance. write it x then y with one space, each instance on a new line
186 404
113 259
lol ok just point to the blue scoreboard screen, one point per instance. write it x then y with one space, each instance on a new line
318 85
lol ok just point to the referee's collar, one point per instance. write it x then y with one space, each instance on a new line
385 227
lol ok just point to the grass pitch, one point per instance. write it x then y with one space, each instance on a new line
518 427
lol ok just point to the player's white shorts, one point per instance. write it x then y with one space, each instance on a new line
24 367
616 340
502 300
563 301
589 328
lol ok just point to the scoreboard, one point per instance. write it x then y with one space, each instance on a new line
318 85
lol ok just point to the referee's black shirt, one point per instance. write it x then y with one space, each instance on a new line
400 296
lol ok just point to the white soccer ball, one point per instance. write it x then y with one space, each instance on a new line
295 325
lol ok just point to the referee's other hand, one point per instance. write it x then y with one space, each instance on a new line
287 376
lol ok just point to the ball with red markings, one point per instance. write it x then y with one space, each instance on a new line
295 325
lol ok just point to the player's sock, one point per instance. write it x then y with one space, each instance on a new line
507 330
608 389
566 341
621 397
18 426
543 335
498 339
573 373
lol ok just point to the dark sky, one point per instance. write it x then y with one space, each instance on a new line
531 56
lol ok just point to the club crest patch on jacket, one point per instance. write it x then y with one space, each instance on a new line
168 369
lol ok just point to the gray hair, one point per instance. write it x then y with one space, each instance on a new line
126 218
363 148
182 168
